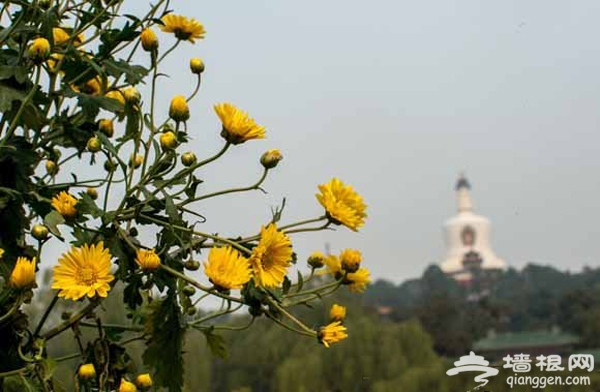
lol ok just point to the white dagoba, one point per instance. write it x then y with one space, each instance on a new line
467 236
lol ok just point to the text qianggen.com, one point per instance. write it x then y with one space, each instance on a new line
542 382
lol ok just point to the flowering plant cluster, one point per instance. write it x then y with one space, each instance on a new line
68 96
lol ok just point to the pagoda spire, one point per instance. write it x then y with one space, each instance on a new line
462 193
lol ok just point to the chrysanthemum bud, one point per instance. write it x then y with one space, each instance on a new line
92 192
188 159
148 260
149 40
87 371
117 95
45 4
106 126
179 110
144 380
132 95
271 158
188 291
337 312
351 260
23 274
51 168
191 265
136 161
109 165
39 232
316 260
168 141
94 144
197 65
39 50
127 386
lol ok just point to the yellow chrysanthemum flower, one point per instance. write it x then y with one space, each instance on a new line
148 260
149 40
337 312
132 95
87 371
127 386
185 29
83 271
271 257
116 95
179 109
1 253
237 126
334 265
91 87
357 281
23 275
343 205
227 268
351 259
144 380
61 37
65 204
39 50
332 333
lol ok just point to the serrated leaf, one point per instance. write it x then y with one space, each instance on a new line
8 95
87 205
163 352
52 220
216 343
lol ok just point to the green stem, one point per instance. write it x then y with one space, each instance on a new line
45 315
14 122
273 318
112 326
300 223
233 190
319 228
198 83
201 234
67 357
71 321
291 316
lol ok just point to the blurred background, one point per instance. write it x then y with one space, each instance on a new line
450 118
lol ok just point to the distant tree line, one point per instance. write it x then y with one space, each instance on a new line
536 298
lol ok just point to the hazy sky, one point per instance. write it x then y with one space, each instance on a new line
396 98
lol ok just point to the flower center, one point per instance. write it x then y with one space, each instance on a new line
87 276
182 33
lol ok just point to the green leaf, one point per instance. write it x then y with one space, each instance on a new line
163 352
134 74
287 284
8 95
52 220
16 71
87 205
216 343
172 211
300 282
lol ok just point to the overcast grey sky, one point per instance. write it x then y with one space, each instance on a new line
396 98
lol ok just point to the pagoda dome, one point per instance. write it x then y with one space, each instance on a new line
468 234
